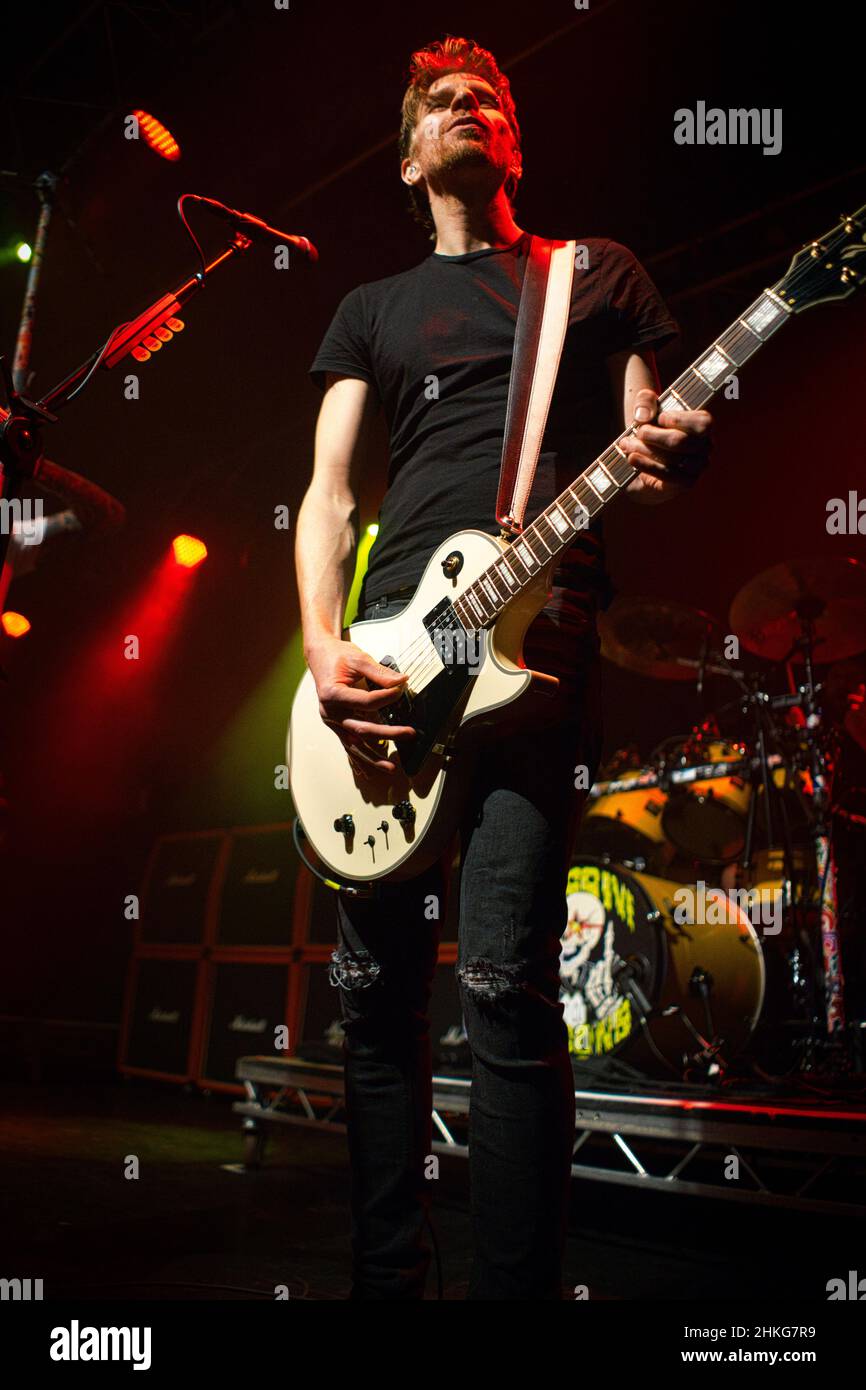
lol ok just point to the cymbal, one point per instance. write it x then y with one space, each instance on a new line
655 637
830 592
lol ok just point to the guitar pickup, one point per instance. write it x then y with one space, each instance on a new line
399 711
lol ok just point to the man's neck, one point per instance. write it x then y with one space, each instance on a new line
462 227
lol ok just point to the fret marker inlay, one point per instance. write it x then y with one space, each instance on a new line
764 314
713 366
599 479
525 554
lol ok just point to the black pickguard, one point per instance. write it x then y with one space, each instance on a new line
430 711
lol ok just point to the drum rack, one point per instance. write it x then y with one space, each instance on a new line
790 1152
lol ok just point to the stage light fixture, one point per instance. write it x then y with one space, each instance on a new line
188 551
14 624
157 136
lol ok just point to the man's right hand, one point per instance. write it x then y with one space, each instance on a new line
337 668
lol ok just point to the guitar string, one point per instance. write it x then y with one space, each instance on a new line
420 648
417 660
735 338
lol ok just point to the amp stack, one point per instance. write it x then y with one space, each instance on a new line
233 942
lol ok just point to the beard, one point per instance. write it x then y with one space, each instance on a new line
469 158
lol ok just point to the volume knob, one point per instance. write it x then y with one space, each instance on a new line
345 825
404 811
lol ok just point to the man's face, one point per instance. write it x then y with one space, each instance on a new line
462 128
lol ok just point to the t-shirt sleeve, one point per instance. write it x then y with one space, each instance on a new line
345 347
640 317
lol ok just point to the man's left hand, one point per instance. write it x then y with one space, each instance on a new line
671 453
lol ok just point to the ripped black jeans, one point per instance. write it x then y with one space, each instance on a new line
516 839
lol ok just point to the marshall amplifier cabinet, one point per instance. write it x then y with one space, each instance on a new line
180 887
159 1021
245 1002
257 899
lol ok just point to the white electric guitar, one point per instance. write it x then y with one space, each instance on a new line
460 638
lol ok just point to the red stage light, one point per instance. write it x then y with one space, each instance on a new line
156 135
14 624
188 551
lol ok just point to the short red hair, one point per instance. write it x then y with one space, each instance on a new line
426 65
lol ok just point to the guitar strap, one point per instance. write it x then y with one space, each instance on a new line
542 320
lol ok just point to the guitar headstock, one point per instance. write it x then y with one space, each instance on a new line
830 268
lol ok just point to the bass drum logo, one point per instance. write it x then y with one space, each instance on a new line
606 927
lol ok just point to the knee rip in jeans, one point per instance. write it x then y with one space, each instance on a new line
486 981
350 970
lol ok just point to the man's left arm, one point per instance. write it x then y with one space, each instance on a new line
670 449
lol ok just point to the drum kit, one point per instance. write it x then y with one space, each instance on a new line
702 936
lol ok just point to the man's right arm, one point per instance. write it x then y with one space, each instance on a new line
325 536
325 540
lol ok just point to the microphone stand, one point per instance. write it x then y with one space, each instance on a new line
46 191
22 425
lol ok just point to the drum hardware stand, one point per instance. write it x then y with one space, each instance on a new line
627 972
701 985
836 1042
708 1058
624 973
801 981
710 1055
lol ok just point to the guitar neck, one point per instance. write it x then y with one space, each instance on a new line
555 529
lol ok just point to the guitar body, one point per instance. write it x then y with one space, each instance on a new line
447 700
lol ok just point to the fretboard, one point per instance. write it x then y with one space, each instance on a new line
555 529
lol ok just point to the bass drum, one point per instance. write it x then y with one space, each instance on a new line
623 924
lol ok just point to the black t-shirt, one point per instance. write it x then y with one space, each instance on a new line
436 344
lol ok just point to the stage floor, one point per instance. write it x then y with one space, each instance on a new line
194 1225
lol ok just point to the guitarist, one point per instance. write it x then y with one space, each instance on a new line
432 348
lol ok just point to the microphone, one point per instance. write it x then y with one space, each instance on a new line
629 974
254 227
